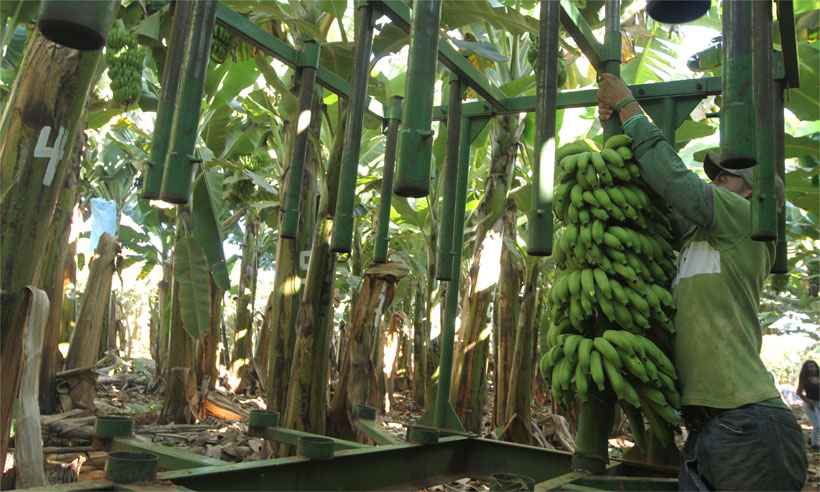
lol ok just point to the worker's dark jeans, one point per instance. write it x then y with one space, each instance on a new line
754 447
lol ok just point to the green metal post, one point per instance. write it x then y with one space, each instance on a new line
781 258
416 136
669 122
341 239
179 164
448 332
78 24
540 220
393 117
764 201
152 181
445 254
611 61
595 415
737 120
308 65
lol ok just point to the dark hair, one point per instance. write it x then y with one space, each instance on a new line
809 368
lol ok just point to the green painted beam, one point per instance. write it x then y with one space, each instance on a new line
382 467
788 41
372 430
169 458
399 13
255 35
707 86
291 436
577 27
628 483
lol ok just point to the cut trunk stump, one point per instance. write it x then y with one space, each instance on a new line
28 453
361 366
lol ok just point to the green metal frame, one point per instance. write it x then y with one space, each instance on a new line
396 463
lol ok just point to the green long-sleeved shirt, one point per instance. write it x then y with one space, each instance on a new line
717 289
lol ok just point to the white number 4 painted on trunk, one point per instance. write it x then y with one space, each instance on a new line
53 153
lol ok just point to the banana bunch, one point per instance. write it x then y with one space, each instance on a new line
636 369
124 57
611 294
221 45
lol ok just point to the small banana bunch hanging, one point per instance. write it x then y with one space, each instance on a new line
124 57
611 295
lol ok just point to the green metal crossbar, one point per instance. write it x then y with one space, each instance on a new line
169 458
577 27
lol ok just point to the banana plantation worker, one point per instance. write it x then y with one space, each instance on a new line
741 434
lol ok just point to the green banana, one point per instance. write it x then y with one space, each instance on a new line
618 291
630 395
620 173
560 289
571 148
612 241
607 351
617 196
555 330
576 313
597 231
607 307
599 214
651 370
583 161
592 177
569 163
588 281
634 171
624 317
596 370
583 216
584 353
589 197
586 304
616 381
626 154
612 157
636 368
577 196
619 140
602 281
574 282
622 339
585 235
571 345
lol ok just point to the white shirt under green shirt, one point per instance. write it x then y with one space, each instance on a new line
721 271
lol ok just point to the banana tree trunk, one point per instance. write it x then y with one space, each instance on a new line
306 406
519 396
243 343
283 305
53 282
48 98
164 309
84 349
208 345
359 382
470 363
507 306
180 388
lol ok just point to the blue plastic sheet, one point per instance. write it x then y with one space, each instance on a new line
103 219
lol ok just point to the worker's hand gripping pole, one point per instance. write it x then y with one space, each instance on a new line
171 68
341 239
393 117
540 220
180 159
308 65
416 135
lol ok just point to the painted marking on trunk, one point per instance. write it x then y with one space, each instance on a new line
53 153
